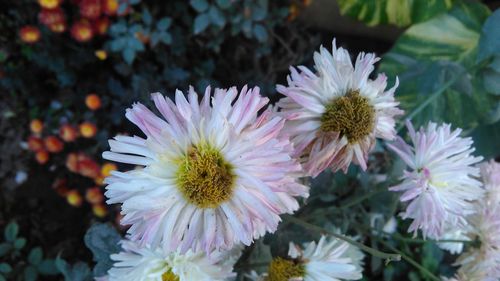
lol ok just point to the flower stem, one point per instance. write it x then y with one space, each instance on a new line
387 256
411 261
363 197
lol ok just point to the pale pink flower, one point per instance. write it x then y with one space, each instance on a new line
490 174
483 263
335 114
214 173
440 184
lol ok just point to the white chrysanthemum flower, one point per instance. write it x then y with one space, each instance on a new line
483 262
138 263
490 175
329 260
336 114
440 185
215 174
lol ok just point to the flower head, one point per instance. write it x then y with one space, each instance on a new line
68 133
490 174
49 4
93 101
52 16
90 9
440 185
336 114
215 174
143 263
82 31
483 262
36 126
329 260
30 34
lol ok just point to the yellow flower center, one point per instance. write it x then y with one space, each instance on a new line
169 276
282 270
351 115
204 177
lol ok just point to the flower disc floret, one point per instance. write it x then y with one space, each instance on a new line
351 115
204 177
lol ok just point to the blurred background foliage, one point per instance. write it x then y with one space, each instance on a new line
68 71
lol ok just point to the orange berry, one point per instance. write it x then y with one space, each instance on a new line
35 143
93 101
101 25
36 126
107 168
293 12
74 198
52 16
94 195
88 130
68 133
82 31
101 54
58 27
49 4
90 9
53 144
60 187
99 210
110 7
42 157
72 162
30 34
88 168
99 180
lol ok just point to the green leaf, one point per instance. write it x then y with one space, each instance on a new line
128 55
431 256
19 243
5 268
201 22
48 267
397 12
103 240
223 4
260 32
217 17
199 5
78 272
486 140
2 278
11 231
164 24
436 65
30 273
5 248
35 256
489 43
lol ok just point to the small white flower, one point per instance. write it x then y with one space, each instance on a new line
138 263
329 260
441 183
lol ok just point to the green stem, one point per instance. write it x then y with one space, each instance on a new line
387 256
411 261
362 198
